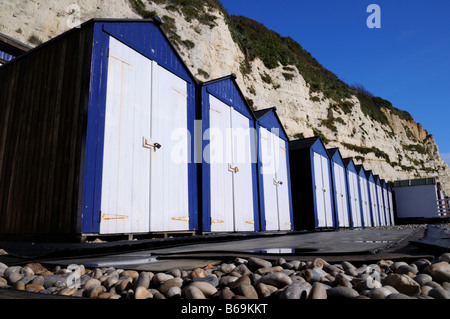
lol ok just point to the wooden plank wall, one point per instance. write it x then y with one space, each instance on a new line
42 104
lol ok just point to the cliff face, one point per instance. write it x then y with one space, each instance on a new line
395 148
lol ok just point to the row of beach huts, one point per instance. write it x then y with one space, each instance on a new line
105 131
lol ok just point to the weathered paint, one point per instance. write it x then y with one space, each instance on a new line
274 181
339 189
229 171
365 197
354 197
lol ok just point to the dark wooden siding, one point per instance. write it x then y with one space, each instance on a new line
42 103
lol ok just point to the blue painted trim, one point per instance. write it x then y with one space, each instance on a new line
313 179
206 167
192 165
262 208
288 168
95 127
254 157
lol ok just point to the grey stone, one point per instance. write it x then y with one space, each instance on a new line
226 294
174 282
421 264
398 296
207 289
444 257
318 291
173 293
264 290
242 270
346 265
3 283
227 268
296 291
277 279
143 280
439 271
311 275
192 292
406 269
248 291
13 277
255 263
10 270
159 278
264 271
341 292
379 293
438 293
174 272
403 283
211 279
422 279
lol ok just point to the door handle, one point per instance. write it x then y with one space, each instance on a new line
147 144
232 168
276 182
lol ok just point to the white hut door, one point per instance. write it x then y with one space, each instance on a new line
381 206
282 181
341 196
323 191
220 155
365 202
244 219
268 177
125 178
168 146
354 199
373 198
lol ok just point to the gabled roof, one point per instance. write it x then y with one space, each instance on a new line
304 143
220 93
265 119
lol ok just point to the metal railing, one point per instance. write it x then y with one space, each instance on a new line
443 207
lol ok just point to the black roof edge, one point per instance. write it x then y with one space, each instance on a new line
267 111
232 77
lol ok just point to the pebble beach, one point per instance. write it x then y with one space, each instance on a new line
249 278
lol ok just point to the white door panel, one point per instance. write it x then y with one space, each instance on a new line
222 215
169 164
243 175
124 203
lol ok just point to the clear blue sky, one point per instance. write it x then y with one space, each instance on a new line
406 61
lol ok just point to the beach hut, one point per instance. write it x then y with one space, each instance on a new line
373 198
311 184
387 215
363 186
95 134
419 199
340 194
391 204
10 48
354 197
229 187
380 199
273 172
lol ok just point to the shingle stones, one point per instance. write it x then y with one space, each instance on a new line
252 278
